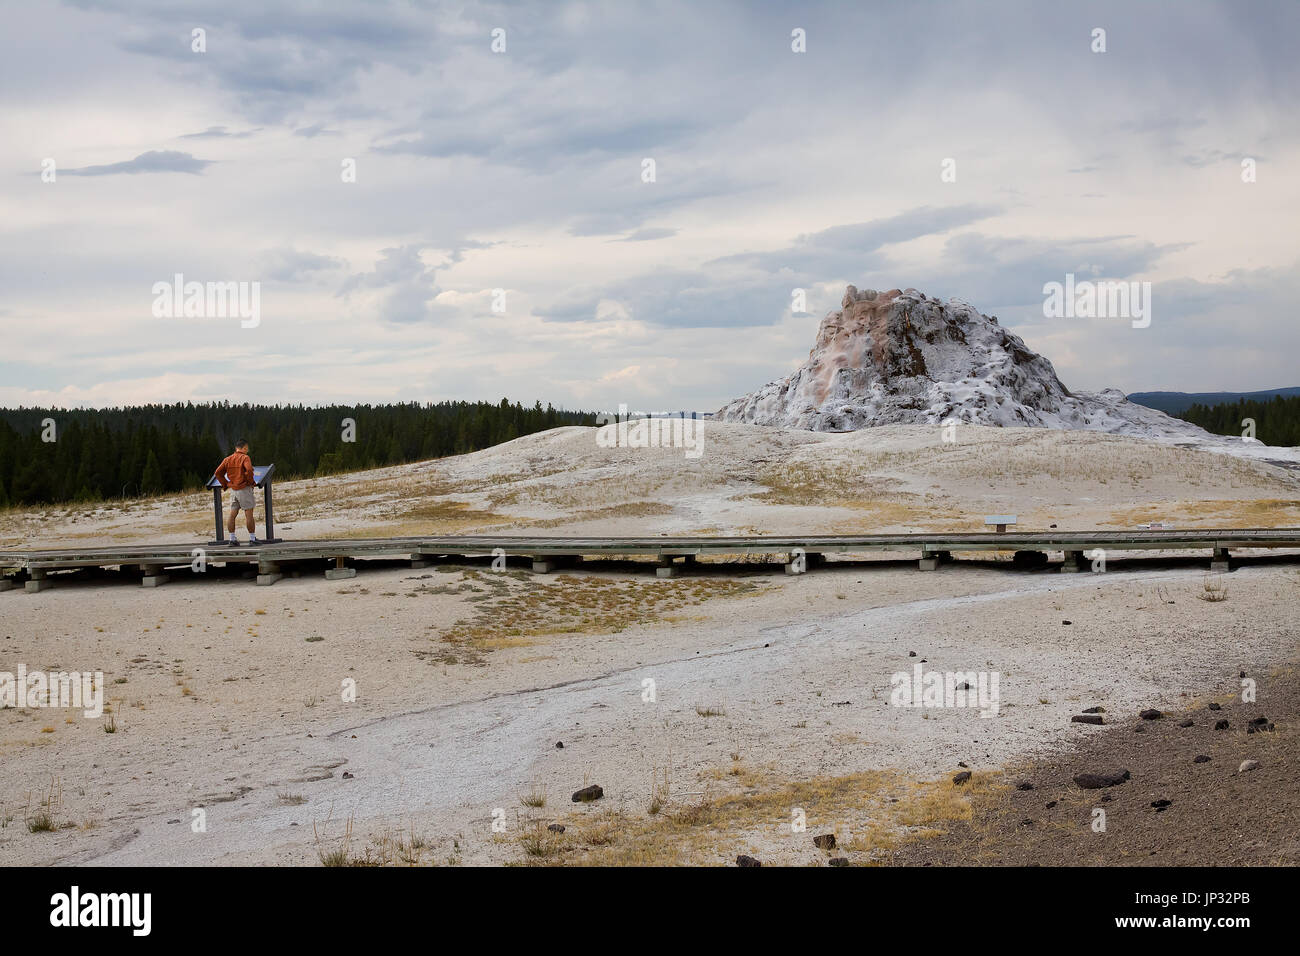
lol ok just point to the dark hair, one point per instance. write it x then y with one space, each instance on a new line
241 444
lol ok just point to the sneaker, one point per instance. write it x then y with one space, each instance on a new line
253 540
233 542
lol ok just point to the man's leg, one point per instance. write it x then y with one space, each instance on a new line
248 521
230 521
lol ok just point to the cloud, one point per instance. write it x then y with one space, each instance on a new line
154 161
316 129
219 132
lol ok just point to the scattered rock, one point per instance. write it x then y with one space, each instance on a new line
1247 766
1201 758
1186 723
1067 622
1052 804
559 745
911 653
824 841
743 860
587 794
961 763
1026 822
1221 725
1095 710
1024 785
1140 729
1029 559
1161 805
1096 781
1214 707
556 828
1259 728
838 861
1151 714
346 775
1087 719
961 778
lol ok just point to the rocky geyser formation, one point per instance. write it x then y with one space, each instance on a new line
901 357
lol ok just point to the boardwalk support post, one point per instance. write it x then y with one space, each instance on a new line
268 572
1071 565
340 571
666 568
1221 562
153 576
38 581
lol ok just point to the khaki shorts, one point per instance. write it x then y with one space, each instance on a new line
241 499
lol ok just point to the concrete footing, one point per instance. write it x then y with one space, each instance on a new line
37 582
340 574
666 568
1071 565
420 561
154 580
268 572
7 585
1221 562
543 566
928 563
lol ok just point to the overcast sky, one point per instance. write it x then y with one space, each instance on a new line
522 170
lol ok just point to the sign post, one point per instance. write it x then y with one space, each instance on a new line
261 479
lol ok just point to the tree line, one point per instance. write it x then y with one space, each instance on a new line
1277 420
55 455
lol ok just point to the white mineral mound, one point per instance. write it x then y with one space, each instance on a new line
904 358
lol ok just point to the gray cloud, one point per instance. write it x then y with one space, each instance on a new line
154 161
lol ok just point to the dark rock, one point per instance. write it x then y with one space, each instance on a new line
1242 674
556 828
1253 727
1221 725
743 860
1029 559
1052 804
824 841
1105 798
559 745
1151 714
961 778
1097 781
1024 785
1026 822
587 794
961 763
1201 758
1259 721
1095 710
1140 729
838 861
346 775
1161 805
1214 707
1067 622
911 653
1087 719
1186 723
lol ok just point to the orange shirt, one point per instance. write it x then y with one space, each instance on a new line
235 471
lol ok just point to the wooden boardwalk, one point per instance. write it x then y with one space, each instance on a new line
35 569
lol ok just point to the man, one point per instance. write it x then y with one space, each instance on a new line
235 473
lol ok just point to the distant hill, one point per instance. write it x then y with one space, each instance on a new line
1175 403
